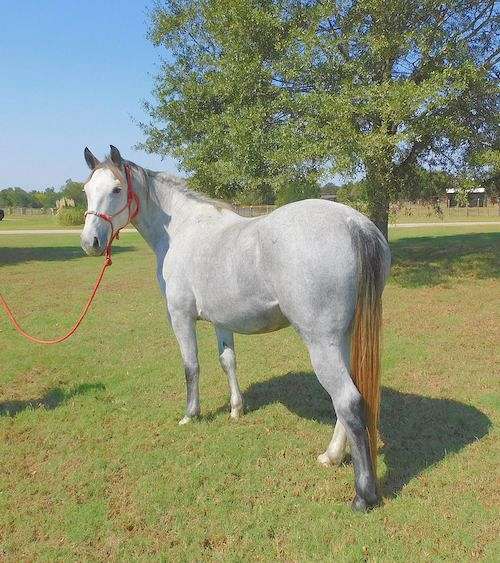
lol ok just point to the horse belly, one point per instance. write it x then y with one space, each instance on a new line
243 313
252 321
231 288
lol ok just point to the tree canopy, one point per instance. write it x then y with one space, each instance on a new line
255 94
18 197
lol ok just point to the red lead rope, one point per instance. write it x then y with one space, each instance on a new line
20 330
131 197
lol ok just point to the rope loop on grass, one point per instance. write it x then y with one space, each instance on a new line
132 198
107 262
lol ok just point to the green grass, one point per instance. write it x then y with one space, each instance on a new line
20 222
399 219
94 467
432 218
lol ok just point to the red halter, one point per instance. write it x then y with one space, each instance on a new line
132 197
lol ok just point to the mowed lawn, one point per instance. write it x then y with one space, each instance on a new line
93 465
20 222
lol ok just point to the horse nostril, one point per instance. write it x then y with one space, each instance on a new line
95 244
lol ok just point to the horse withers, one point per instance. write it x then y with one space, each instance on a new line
316 265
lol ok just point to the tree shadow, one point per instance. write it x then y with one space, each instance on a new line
418 431
17 255
429 261
51 400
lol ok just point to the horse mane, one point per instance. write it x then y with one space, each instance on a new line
178 184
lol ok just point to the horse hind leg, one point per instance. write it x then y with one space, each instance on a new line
329 358
227 358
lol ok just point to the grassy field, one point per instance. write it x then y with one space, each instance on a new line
20 222
411 213
419 215
432 218
93 465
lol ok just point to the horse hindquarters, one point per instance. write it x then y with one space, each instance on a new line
355 392
337 294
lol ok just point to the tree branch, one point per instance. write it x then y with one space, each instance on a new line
416 149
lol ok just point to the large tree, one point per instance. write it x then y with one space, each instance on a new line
254 94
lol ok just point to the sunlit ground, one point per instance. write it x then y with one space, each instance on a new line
93 464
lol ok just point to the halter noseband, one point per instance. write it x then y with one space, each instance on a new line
132 197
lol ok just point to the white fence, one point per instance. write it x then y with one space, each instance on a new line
27 211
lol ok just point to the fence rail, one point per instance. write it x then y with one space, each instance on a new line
399 211
419 211
27 211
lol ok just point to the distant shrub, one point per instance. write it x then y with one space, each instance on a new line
71 216
295 190
353 198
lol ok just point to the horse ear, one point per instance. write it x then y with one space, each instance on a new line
116 157
90 159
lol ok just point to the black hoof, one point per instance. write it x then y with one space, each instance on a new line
361 505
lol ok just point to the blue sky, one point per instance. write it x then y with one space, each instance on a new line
72 74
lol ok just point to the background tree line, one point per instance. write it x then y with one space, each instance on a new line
257 98
38 199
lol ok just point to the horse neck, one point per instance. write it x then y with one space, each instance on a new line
162 209
152 220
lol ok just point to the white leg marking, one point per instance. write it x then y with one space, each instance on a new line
227 358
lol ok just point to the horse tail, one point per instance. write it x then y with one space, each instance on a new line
373 260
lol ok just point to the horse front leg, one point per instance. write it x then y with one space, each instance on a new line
227 358
184 328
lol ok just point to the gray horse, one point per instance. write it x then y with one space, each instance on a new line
316 265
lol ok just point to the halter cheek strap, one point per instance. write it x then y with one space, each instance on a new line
132 199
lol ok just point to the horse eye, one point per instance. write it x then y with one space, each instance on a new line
117 190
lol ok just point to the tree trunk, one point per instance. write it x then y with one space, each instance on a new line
378 179
379 214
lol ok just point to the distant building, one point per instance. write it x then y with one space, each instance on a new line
475 198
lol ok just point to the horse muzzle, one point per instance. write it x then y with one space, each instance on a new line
93 245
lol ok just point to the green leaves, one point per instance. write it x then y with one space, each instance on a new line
258 94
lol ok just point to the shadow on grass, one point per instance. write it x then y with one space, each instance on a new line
51 400
429 261
17 255
418 431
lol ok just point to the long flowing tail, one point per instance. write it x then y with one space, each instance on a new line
372 252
